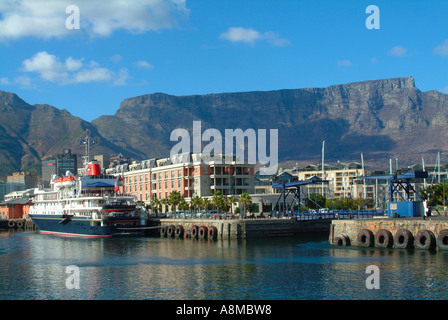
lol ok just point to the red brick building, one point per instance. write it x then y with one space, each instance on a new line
15 209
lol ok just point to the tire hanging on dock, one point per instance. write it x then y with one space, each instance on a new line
403 239
194 232
212 233
202 232
425 240
365 238
11 223
442 240
170 231
384 239
342 240
179 231
163 230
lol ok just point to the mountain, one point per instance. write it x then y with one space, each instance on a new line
382 119
30 133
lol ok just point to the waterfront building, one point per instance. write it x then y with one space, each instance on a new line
66 162
190 174
21 181
18 208
340 177
48 170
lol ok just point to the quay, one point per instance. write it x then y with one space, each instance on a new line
426 233
238 228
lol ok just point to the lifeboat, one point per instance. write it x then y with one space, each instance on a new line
68 181
58 183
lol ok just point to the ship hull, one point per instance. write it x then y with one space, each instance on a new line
77 226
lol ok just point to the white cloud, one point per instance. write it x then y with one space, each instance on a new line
144 64
344 63
50 68
5 81
442 49
46 18
250 36
398 51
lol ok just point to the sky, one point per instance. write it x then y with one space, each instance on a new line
87 56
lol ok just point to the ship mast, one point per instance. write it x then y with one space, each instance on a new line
87 142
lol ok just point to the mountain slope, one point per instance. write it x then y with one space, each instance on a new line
382 119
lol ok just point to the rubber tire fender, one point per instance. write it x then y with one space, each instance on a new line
163 231
194 232
384 239
425 240
403 239
342 240
170 231
442 240
202 232
179 231
212 233
365 238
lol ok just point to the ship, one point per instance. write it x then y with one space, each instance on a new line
88 205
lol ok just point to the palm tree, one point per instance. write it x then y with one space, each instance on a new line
245 199
155 205
184 205
218 199
174 200
196 202
231 200
206 203
166 203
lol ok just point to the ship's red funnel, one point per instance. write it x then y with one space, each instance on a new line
93 168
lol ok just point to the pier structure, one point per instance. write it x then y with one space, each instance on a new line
406 226
399 233
399 203
291 188
239 228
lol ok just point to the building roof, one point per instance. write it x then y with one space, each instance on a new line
15 201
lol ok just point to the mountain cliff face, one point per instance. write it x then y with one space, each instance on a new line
29 133
382 119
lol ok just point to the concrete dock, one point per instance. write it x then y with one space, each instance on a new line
240 228
430 233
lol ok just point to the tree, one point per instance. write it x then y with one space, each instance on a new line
155 205
218 200
246 200
315 201
435 194
184 205
231 200
166 203
206 203
174 200
196 202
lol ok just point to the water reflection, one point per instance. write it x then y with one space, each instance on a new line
32 266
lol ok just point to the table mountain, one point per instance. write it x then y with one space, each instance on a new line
382 119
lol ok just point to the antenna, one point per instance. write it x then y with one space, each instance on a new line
87 142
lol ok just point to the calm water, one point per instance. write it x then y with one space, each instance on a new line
33 266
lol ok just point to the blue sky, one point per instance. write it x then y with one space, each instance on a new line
126 49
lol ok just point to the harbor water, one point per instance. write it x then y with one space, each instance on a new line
34 266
